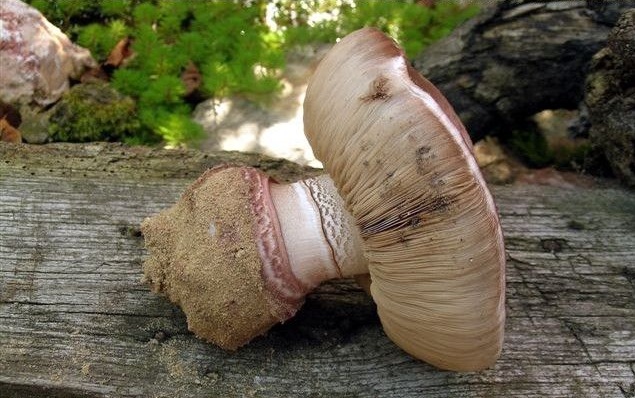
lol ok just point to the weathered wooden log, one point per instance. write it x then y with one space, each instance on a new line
610 97
76 320
517 58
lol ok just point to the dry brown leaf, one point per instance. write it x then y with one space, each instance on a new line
8 133
120 53
94 75
191 78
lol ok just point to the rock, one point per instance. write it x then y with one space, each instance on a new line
237 124
276 128
93 112
8 133
37 58
35 125
561 130
556 124
497 167
488 151
610 98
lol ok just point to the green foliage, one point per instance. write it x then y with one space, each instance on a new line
115 8
412 25
175 127
131 81
572 156
238 46
532 147
101 39
95 112
61 12
535 150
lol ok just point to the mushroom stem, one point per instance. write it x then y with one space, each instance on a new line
239 252
320 236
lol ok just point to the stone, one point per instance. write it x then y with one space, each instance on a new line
37 58
497 167
561 130
35 125
274 128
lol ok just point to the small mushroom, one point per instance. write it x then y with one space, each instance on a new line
404 209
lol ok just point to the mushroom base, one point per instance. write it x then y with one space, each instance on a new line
205 258
238 253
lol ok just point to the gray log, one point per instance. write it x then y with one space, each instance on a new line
76 321
610 98
518 58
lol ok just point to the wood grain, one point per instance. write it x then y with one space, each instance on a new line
76 320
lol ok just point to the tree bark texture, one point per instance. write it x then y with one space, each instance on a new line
77 321
517 58
610 98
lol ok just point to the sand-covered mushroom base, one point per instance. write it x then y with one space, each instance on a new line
204 258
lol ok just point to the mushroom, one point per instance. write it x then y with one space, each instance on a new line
404 209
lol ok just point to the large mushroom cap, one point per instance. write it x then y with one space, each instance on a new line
403 163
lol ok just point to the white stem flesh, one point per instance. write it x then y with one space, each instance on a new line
320 236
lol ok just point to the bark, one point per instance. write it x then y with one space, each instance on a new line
76 320
610 98
517 58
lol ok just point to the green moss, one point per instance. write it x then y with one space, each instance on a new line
94 112
531 147
571 157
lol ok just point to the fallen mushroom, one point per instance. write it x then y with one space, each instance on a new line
404 202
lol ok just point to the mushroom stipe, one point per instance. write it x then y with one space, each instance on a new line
403 209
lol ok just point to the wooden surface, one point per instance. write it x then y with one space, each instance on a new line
76 321
517 58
